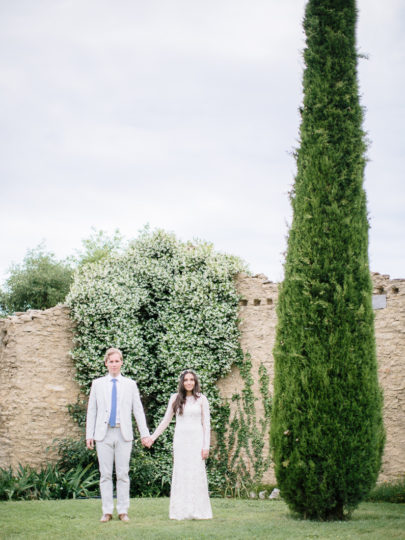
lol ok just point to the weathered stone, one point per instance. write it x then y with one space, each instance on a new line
275 494
36 381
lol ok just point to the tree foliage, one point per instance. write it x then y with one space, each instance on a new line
39 282
327 431
98 246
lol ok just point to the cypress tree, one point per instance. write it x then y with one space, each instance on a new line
327 432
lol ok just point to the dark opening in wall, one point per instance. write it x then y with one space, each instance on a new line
243 302
256 302
380 289
269 301
395 290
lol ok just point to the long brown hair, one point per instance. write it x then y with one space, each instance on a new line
179 402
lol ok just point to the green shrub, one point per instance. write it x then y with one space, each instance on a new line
74 454
50 482
16 485
393 492
150 474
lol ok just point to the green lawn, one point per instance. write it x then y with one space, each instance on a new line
233 519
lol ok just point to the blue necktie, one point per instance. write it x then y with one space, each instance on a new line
113 415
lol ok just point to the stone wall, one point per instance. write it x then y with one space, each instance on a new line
37 374
36 385
390 337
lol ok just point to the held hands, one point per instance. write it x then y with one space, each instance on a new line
205 453
147 442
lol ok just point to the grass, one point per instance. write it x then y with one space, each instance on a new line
234 519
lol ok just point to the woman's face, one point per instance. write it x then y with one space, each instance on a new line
189 382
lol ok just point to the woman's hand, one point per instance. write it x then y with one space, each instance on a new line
205 453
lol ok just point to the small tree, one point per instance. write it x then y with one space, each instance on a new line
40 282
327 431
99 246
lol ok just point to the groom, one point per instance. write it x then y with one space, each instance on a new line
112 400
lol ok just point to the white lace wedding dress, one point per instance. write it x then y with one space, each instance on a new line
189 490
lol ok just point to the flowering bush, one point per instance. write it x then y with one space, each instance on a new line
168 305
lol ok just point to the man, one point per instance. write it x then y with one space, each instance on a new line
112 400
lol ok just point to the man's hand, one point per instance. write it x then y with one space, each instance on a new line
90 444
147 442
205 453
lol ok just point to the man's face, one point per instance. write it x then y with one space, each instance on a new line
114 364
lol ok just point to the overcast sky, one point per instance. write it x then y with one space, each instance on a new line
181 114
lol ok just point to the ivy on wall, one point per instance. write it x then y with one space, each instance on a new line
241 454
169 305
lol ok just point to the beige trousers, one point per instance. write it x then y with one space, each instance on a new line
113 448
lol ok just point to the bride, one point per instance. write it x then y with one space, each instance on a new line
189 497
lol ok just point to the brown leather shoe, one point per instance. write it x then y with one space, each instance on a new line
105 518
124 517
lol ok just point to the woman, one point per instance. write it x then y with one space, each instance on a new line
189 490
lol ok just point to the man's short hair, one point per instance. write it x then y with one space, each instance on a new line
111 351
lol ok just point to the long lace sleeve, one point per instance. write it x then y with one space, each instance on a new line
206 422
166 419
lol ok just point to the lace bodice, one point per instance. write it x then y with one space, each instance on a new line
196 416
